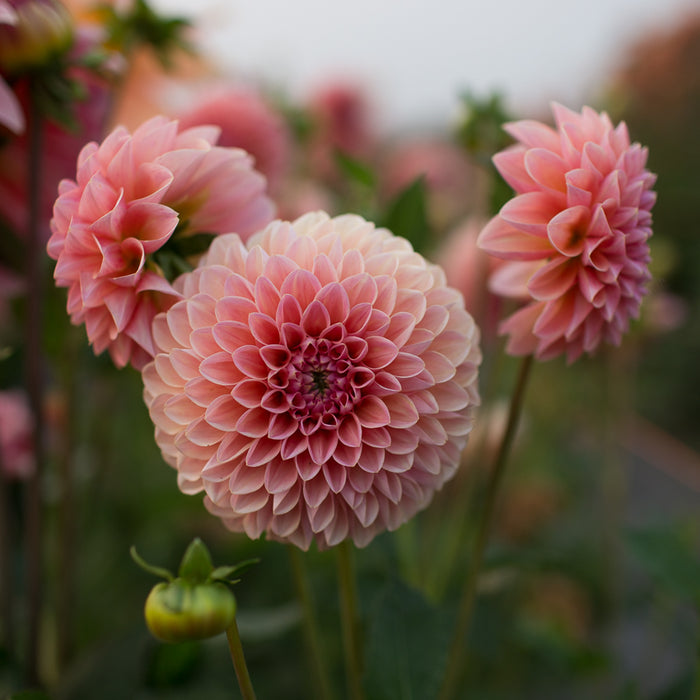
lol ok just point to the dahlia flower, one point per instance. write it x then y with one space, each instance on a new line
576 233
248 122
317 383
132 194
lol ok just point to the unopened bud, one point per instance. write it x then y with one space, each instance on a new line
179 611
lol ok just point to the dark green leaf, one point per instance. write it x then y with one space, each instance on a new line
407 645
29 695
669 558
407 215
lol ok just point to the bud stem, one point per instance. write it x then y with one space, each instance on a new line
239 664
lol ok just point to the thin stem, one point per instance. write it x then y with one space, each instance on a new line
7 630
455 663
319 668
34 382
349 619
696 687
239 664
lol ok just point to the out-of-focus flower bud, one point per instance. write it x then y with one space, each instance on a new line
43 30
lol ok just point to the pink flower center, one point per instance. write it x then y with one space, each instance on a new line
320 383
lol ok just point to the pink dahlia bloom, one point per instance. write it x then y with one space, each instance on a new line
576 233
16 453
132 193
317 383
246 121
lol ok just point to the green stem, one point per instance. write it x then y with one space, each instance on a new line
7 631
350 620
34 372
319 668
696 687
455 662
239 664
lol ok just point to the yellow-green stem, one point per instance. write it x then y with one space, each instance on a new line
349 619
456 661
239 664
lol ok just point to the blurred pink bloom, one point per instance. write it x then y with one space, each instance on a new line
11 115
467 269
132 193
16 453
342 121
317 384
449 177
246 121
577 232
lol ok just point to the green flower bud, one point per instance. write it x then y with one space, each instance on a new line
179 611
198 603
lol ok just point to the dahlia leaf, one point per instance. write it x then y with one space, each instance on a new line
407 215
406 646
670 558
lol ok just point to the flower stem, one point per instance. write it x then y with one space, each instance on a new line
7 630
34 383
349 619
239 664
319 668
455 662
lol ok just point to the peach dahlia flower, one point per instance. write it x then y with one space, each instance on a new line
317 383
131 194
576 233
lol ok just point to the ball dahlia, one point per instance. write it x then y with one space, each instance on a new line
576 233
317 383
131 195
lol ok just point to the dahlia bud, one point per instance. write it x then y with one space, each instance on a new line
197 604
42 31
179 612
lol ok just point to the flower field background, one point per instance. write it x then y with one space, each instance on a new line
590 581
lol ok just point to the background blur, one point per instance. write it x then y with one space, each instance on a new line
591 587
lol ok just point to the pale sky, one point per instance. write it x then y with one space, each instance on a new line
417 56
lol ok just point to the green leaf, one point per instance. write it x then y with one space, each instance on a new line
196 566
29 695
407 215
670 559
155 570
355 170
407 646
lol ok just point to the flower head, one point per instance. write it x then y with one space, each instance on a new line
317 383
576 232
132 194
